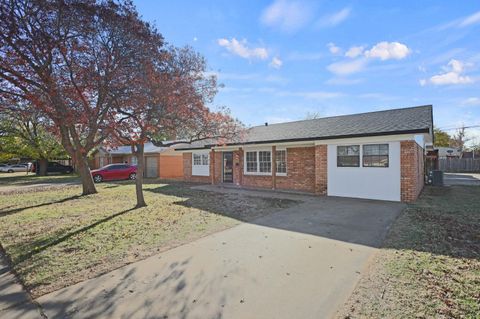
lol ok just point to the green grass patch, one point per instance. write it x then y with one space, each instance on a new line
22 179
429 266
55 238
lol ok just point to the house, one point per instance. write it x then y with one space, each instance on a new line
444 152
161 162
375 155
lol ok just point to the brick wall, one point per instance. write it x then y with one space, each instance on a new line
238 167
412 170
187 171
216 162
321 169
300 170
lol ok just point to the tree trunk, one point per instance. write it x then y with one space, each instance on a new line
42 167
88 187
139 181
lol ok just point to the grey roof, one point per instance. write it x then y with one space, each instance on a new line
148 148
395 121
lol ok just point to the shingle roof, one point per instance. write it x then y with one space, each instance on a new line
395 121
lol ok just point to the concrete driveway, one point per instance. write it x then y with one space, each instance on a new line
469 179
301 262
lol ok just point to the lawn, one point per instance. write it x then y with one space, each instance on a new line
55 238
8 180
429 266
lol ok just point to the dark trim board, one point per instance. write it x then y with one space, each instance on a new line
424 130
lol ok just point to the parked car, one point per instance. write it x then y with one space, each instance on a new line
114 172
54 167
14 168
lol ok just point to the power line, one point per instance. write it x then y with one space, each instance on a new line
458 128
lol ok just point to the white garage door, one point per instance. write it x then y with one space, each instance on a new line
151 166
381 183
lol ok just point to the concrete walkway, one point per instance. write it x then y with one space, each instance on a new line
14 301
301 262
468 179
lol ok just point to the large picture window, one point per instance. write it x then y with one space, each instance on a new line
265 161
375 155
259 162
251 162
348 156
281 161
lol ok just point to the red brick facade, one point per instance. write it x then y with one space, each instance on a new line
411 170
307 170
321 177
187 171
300 170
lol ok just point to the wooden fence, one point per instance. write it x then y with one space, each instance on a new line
458 165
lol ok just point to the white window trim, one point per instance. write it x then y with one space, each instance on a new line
258 162
286 162
201 169
361 155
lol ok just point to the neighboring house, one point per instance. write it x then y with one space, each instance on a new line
444 152
376 155
162 162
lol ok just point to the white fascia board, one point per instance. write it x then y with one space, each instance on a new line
368 139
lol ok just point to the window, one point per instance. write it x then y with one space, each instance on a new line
258 162
281 161
204 159
197 159
200 163
375 155
348 156
134 160
251 161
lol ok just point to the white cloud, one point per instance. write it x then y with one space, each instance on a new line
195 39
453 74
288 16
241 49
471 19
354 51
333 48
334 19
471 101
276 63
343 81
347 67
388 50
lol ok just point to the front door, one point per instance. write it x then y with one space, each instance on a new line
227 167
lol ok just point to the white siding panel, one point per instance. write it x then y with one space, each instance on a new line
200 170
381 183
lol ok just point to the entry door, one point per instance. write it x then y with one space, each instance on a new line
227 167
151 166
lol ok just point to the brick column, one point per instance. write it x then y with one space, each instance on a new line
411 170
212 166
238 166
321 177
274 167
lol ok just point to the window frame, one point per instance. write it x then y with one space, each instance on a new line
200 163
359 156
376 155
257 172
277 173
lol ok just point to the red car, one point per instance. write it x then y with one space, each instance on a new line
114 172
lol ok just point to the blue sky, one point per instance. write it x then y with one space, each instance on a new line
280 60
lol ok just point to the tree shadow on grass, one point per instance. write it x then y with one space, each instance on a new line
6 212
43 244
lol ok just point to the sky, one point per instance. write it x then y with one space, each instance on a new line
281 60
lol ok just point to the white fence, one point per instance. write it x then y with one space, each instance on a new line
458 165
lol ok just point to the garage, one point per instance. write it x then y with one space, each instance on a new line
364 169
151 166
